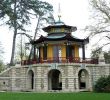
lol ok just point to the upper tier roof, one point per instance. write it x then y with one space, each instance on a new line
60 32
59 27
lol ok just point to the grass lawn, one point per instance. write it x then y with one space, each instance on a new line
54 96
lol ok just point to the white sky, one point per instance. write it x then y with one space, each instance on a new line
73 12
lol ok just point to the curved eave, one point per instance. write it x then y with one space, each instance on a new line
73 28
67 37
86 41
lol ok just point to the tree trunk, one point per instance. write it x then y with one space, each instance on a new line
36 30
14 36
13 48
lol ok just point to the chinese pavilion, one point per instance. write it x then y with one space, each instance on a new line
59 45
56 65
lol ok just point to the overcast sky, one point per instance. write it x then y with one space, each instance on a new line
73 12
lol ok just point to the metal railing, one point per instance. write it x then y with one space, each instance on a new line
60 60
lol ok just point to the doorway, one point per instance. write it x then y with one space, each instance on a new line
83 79
31 79
54 80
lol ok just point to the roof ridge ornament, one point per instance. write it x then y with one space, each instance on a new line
59 12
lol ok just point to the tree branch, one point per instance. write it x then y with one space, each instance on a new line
30 37
108 37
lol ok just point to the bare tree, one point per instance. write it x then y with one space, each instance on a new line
100 20
41 17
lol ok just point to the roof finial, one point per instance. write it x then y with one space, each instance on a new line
59 12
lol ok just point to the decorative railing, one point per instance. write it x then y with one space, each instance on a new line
60 60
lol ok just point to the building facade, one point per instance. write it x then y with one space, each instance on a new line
55 65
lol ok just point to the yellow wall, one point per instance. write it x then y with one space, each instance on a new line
52 30
63 49
62 30
76 51
49 51
41 49
57 29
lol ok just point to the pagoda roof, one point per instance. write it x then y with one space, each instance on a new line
66 37
59 26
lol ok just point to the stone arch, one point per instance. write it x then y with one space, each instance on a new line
54 79
83 79
31 79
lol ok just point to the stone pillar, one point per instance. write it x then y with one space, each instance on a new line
13 80
38 79
77 84
63 83
45 80
90 85
23 78
70 79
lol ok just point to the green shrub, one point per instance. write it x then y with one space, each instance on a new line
102 84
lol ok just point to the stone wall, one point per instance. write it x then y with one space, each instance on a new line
35 77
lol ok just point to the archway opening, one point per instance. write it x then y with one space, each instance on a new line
54 80
31 79
83 79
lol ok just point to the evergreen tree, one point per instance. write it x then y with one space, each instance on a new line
17 14
102 84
